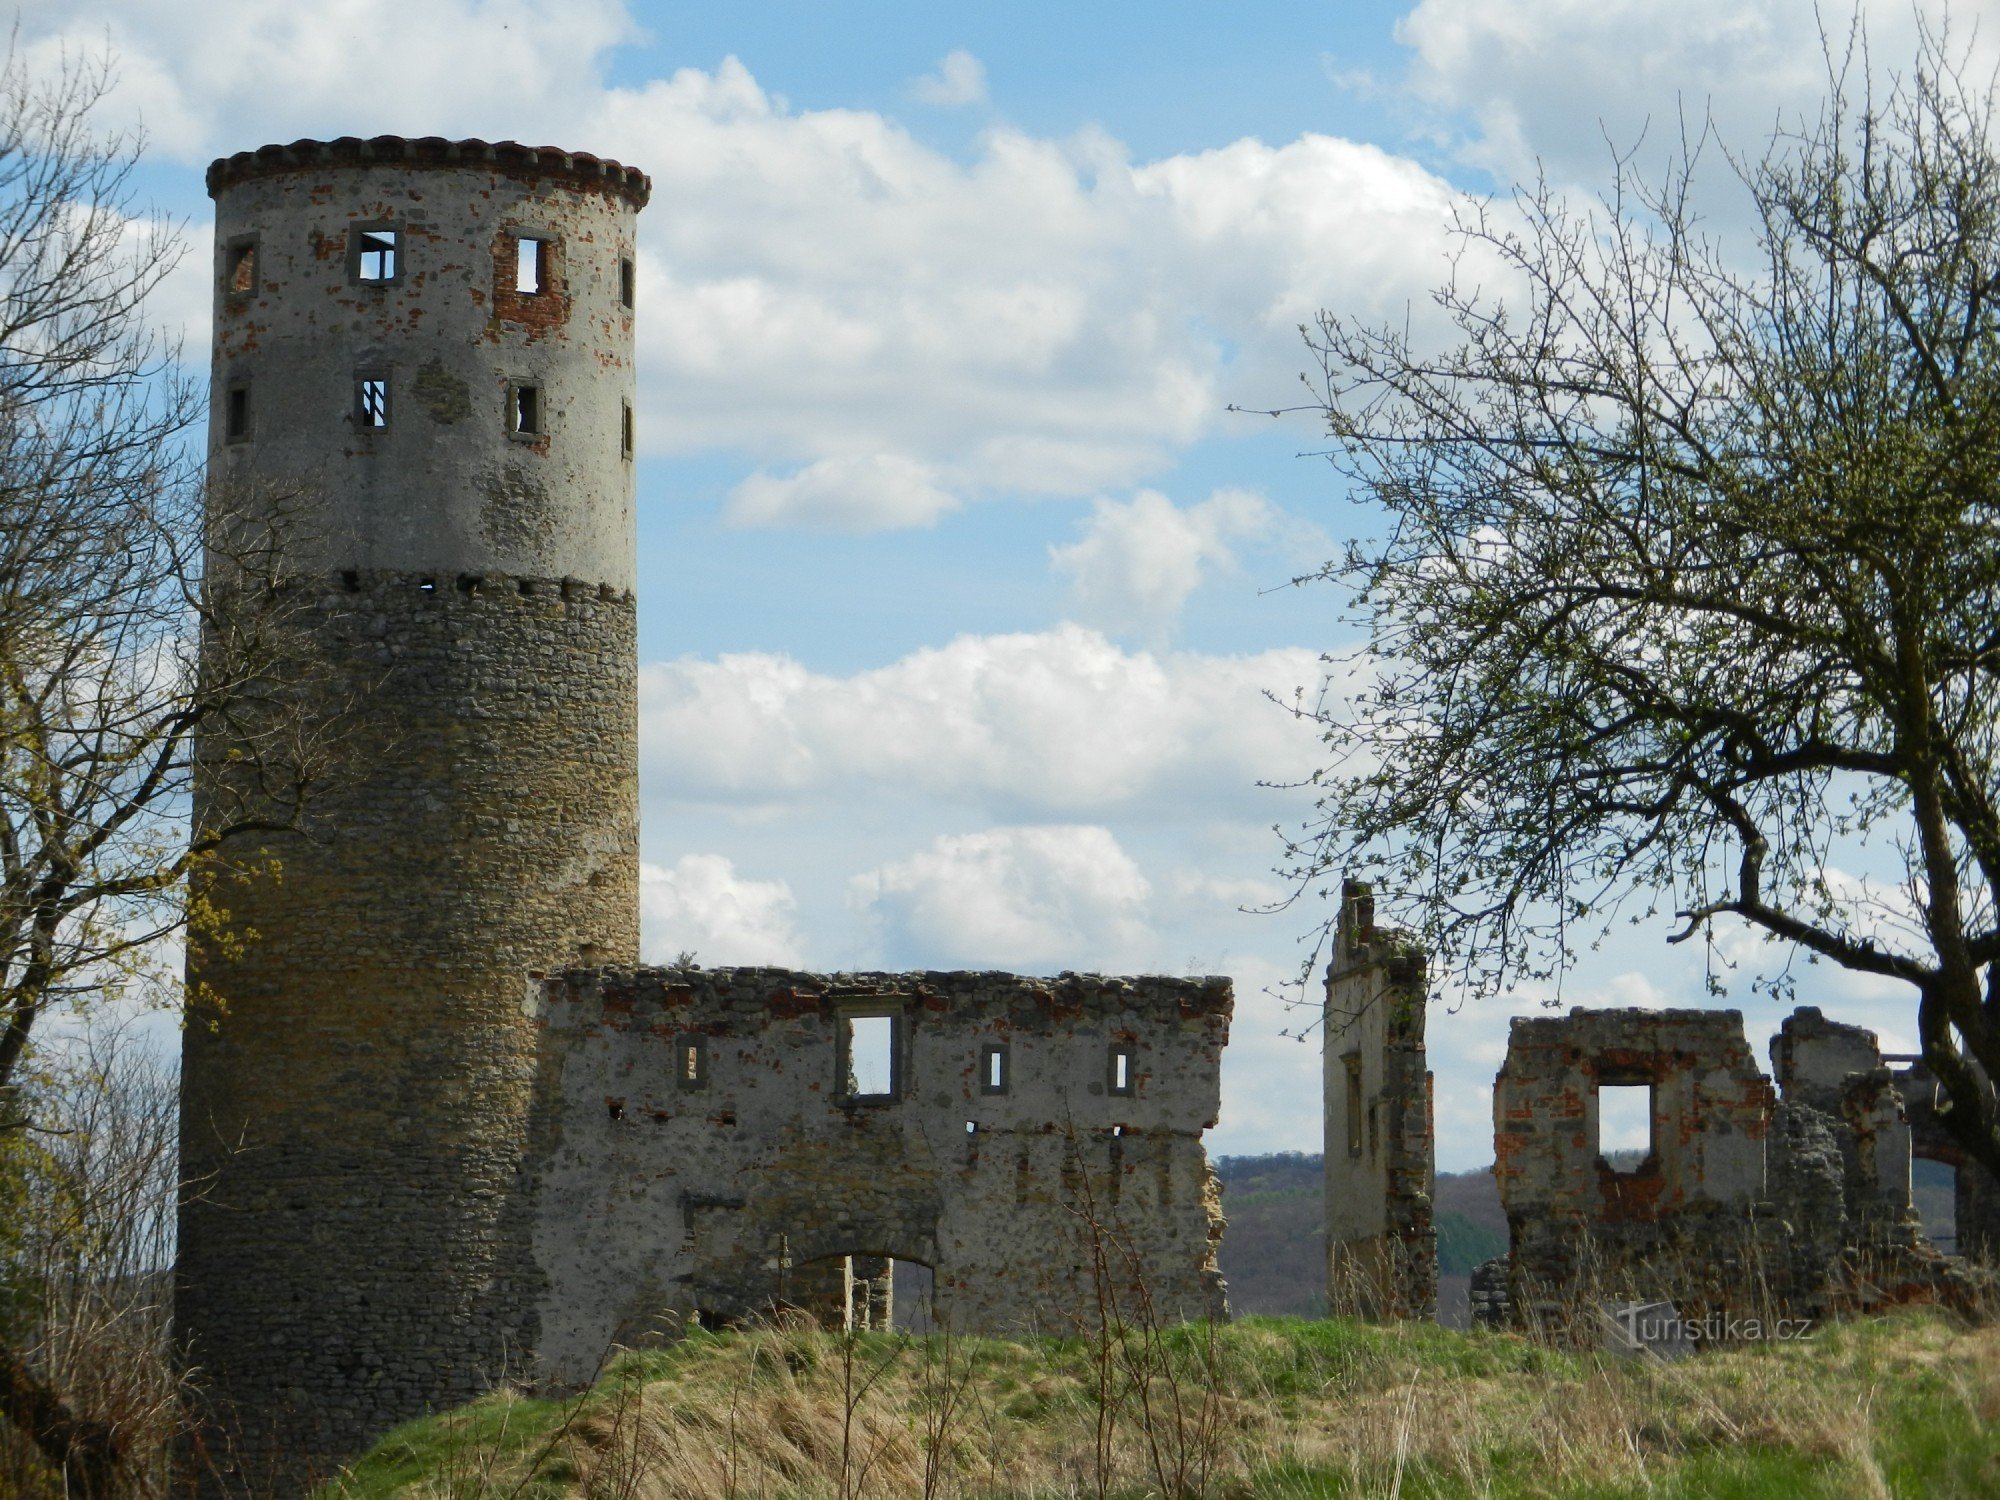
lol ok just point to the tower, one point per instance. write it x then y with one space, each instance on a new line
423 373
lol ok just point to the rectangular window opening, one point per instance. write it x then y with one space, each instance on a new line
1351 1063
870 1045
375 254
1120 1072
1625 1123
691 1062
627 281
236 413
625 444
371 401
239 275
524 410
993 1068
530 265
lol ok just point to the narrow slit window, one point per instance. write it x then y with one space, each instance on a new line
625 429
1352 1066
691 1062
530 265
524 410
236 413
371 402
627 281
239 274
375 254
870 1045
1120 1073
993 1062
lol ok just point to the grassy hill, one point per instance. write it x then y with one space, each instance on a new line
1267 1407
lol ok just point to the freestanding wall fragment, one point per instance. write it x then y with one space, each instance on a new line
1679 1218
714 1148
1380 1158
422 376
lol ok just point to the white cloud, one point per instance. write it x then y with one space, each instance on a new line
1138 561
960 79
879 493
1056 721
817 286
277 70
1015 898
1047 318
701 905
1563 82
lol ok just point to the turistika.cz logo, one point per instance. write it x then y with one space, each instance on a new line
1652 1324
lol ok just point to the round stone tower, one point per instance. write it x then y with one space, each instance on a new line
423 384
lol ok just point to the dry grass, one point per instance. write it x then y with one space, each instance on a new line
1902 1406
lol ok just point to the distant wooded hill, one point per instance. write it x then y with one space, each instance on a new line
1274 1253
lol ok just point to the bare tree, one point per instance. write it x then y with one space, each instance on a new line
134 615
1688 588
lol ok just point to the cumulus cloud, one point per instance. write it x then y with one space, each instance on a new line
1056 721
820 288
1139 560
1017 898
960 79
280 70
1563 82
1046 318
879 493
701 905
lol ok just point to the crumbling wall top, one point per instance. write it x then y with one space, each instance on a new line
509 158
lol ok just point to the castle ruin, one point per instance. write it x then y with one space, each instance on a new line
439 1128
1793 1195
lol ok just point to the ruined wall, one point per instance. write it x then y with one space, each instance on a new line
1976 1193
1572 1216
355 1247
1380 1158
1747 1199
701 1150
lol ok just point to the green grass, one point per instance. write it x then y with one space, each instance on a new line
1900 1406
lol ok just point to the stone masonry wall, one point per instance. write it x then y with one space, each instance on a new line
1572 1217
354 1248
1380 1171
699 1148
1976 1193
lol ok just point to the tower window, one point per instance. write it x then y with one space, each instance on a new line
993 1063
371 402
236 412
524 410
239 267
627 281
625 444
374 254
1119 1075
530 265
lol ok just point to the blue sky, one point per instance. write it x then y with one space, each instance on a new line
961 589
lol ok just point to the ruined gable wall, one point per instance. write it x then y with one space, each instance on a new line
1565 1205
1380 1171
659 1201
